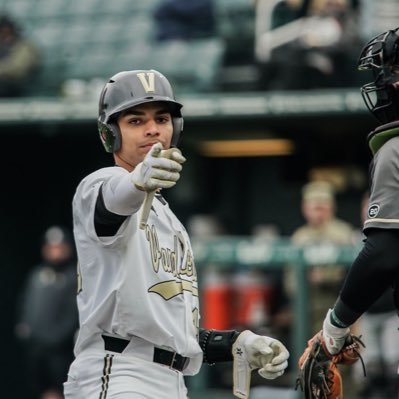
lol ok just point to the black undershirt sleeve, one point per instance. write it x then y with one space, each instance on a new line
106 223
375 269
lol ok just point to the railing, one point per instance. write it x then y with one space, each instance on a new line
210 106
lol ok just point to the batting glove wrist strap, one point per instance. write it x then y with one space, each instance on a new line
217 345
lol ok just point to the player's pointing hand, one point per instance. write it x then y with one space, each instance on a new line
159 169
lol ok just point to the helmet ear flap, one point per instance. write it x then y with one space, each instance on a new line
110 136
178 124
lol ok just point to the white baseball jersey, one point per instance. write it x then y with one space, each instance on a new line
137 282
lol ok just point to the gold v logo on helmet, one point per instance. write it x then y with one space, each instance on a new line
148 81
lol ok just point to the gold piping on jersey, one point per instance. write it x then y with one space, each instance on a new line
105 377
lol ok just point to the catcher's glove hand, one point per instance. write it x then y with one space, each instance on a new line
319 376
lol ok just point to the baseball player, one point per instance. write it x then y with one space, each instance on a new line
137 283
376 268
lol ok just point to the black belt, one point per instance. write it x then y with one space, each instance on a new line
162 356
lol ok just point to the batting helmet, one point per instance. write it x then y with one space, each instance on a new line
130 88
381 55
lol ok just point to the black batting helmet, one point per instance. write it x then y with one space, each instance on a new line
130 88
381 56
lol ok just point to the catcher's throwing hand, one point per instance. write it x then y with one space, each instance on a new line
256 352
319 376
157 171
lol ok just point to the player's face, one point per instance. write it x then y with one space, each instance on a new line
141 127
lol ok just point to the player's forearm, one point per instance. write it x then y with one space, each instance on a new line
121 196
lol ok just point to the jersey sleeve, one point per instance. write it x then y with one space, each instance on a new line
383 210
120 194
116 190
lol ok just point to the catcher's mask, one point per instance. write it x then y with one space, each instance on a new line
130 88
381 56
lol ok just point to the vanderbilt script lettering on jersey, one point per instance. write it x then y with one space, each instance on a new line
168 260
148 81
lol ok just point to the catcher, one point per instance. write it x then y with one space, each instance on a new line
376 268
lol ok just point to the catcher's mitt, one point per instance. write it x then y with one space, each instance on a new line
319 376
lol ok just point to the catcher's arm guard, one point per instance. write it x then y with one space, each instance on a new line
319 376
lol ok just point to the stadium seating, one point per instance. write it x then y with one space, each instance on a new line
236 27
96 38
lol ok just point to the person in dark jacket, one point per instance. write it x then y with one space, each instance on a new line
19 59
47 318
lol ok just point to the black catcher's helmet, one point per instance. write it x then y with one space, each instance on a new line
381 55
130 88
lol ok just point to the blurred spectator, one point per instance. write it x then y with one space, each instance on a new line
379 329
47 317
184 20
321 226
313 51
287 11
19 59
